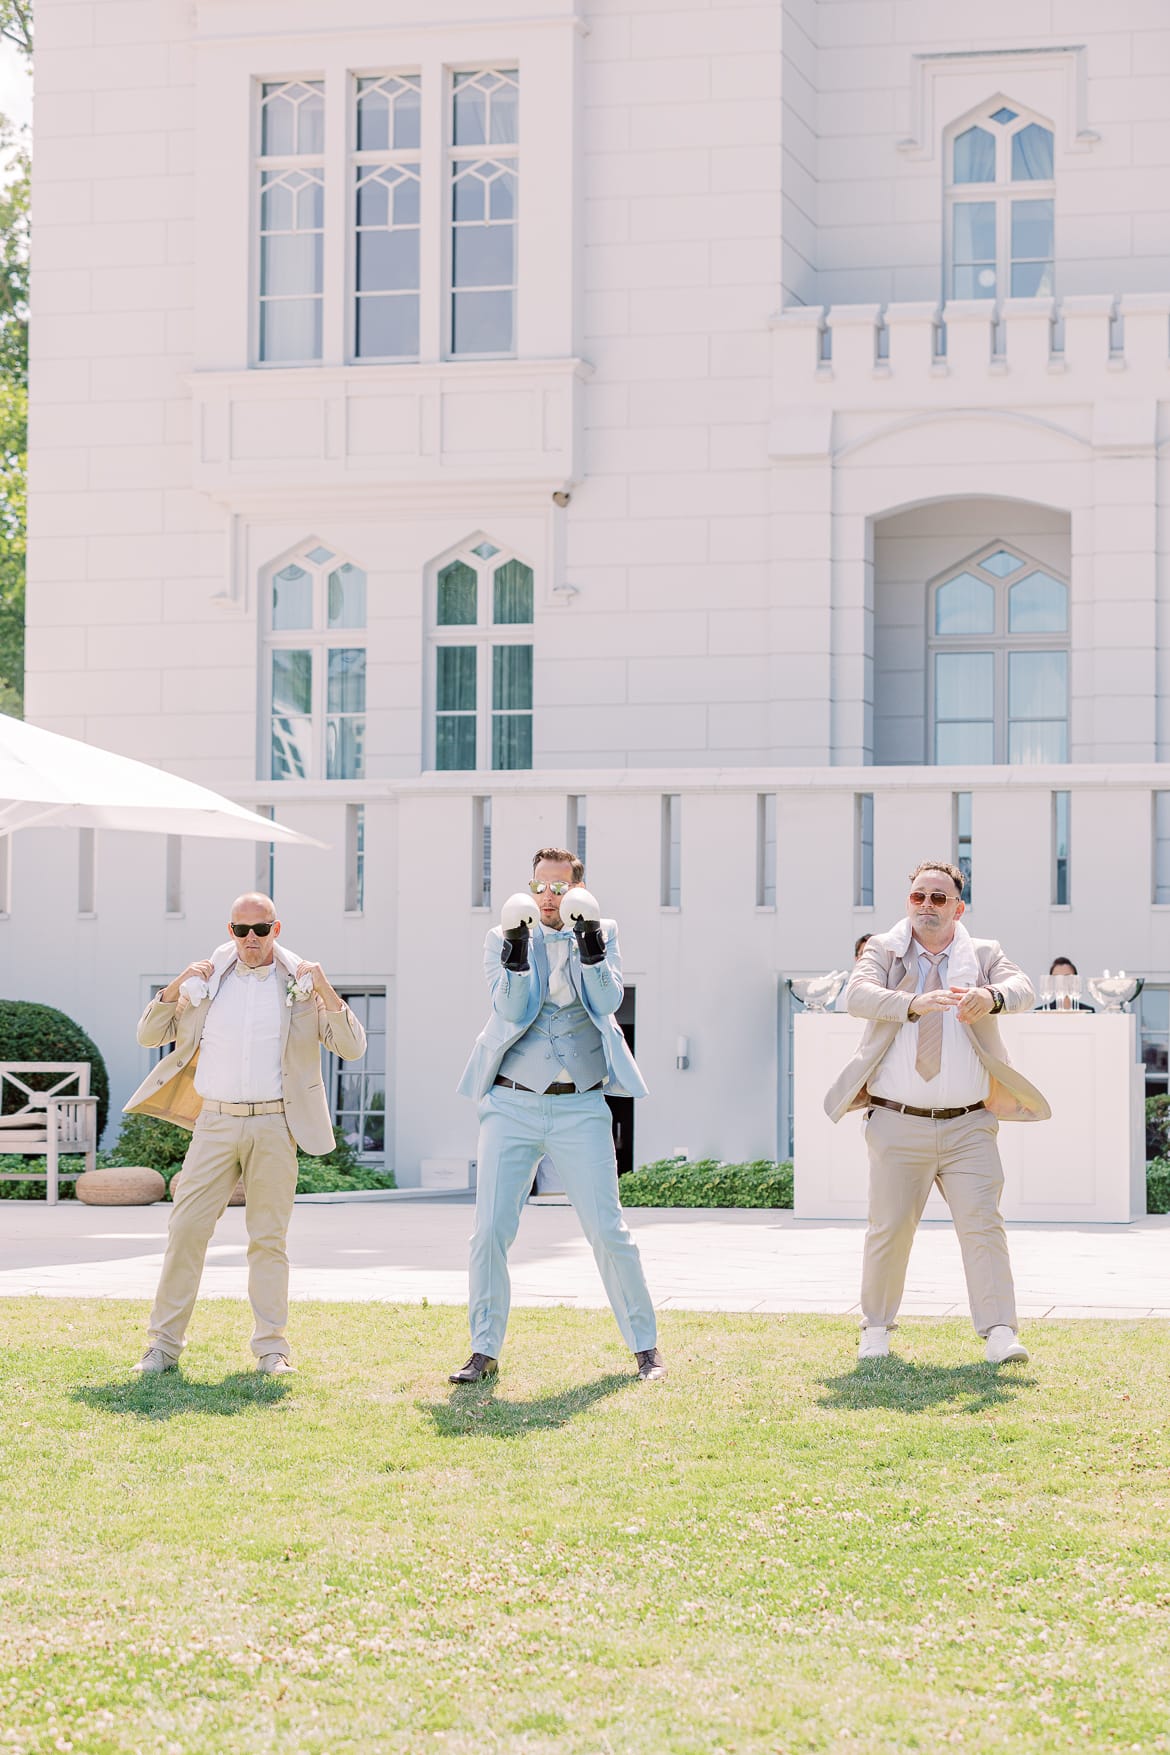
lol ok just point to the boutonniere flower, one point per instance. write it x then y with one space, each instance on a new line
294 989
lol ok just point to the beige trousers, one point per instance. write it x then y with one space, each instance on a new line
223 1148
908 1155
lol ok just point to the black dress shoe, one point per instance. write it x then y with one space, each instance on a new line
476 1369
651 1365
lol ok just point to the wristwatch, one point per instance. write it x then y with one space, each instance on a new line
997 996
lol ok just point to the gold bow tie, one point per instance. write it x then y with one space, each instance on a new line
261 974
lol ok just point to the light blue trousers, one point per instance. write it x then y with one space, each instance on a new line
516 1129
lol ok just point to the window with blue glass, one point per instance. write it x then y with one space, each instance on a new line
1001 206
482 678
999 655
316 650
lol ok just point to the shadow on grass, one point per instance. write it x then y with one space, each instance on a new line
475 1411
909 1388
162 1398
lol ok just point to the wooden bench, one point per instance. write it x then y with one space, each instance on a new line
59 1120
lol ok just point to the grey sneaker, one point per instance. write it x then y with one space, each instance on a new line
154 1361
651 1365
274 1364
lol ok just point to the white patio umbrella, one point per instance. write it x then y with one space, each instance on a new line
49 781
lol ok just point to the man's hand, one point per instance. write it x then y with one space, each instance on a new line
939 999
583 912
333 1000
976 1002
517 918
170 993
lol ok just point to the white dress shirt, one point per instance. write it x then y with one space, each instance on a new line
556 944
239 1055
962 1078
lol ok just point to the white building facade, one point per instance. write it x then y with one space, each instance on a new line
730 439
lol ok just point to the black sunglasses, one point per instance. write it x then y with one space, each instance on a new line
261 930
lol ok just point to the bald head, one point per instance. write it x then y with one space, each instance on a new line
252 900
254 909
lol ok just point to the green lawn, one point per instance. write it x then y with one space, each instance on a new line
775 1550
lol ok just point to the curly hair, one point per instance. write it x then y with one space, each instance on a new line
560 856
952 872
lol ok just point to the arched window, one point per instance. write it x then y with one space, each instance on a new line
998 637
1001 204
482 607
315 608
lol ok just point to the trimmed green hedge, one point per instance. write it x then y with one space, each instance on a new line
39 1032
675 1182
1158 1186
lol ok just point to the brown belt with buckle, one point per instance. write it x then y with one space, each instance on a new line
552 1091
926 1114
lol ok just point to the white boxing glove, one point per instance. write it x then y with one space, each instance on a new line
517 918
580 906
519 910
583 912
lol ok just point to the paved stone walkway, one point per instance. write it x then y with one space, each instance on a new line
745 1261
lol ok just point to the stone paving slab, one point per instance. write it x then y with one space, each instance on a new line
765 1262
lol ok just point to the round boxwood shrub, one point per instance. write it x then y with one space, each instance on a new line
39 1032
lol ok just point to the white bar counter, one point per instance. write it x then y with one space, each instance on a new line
1085 1165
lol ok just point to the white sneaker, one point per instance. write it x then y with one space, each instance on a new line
154 1360
1004 1345
874 1343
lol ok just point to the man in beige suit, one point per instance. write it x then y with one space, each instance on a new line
934 1079
245 1075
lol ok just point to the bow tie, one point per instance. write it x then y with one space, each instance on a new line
261 974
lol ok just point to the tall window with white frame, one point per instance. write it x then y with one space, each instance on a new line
291 222
671 890
483 606
765 850
1061 834
387 214
317 668
863 849
485 109
1160 893
577 825
999 662
358 1087
962 834
1001 202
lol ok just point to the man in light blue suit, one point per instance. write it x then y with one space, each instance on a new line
540 1069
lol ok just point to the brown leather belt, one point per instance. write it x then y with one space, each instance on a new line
552 1091
926 1114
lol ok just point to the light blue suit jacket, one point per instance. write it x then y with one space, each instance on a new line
517 999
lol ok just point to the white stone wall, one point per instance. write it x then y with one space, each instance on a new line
892 78
751 522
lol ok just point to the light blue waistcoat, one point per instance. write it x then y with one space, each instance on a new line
523 1026
561 1043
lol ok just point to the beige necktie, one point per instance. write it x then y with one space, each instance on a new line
928 1057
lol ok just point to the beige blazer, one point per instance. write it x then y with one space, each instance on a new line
880 990
168 1090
